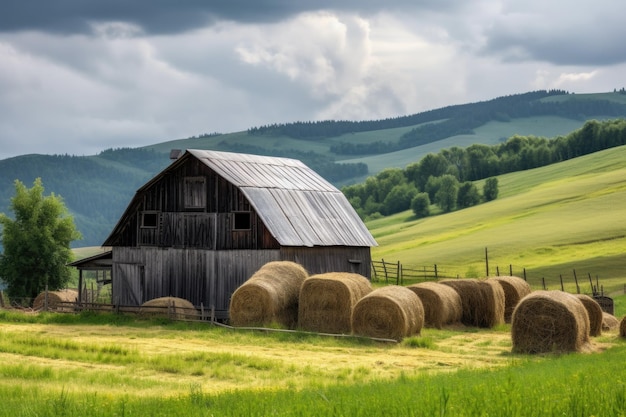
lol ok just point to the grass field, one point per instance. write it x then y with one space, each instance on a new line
77 365
550 221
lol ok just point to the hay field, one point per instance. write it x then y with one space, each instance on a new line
166 360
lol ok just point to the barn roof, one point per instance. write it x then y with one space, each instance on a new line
297 205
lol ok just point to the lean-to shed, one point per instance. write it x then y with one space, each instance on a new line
206 223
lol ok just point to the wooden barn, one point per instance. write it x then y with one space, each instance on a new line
206 223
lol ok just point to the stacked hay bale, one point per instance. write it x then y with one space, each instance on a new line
55 300
442 304
550 321
269 296
609 322
391 312
595 314
482 301
515 288
326 301
169 307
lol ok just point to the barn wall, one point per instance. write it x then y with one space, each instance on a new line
319 260
193 207
202 277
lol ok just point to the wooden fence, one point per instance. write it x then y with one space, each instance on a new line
395 272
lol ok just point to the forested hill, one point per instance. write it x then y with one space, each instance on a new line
97 188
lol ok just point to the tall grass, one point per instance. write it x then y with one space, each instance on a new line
570 385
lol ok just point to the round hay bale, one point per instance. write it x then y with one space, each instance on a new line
622 327
55 300
442 304
482 301
169 307
515 288
595 314
326 301
550 321
609 322
269 296
391 312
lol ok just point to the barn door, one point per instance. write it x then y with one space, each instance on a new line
130 284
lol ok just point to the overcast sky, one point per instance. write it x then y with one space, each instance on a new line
81 76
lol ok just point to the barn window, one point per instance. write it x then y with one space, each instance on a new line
242 220
195 192
149 219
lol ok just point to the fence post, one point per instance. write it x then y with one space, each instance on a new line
576 280
385 271
561 278
497 271
525 275
1 299
486 262
399 274
543 281
510 270
374 270
436 273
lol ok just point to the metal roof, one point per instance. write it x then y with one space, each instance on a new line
297 205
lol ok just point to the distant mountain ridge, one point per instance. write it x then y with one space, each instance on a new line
98 188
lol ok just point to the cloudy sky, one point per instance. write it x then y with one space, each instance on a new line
81 76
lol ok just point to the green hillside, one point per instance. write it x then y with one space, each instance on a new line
550 220
97 188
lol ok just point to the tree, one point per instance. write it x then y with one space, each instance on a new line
421 205
36 242
468 195
446 195
490 189
399 198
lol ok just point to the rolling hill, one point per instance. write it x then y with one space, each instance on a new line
547 223
97 188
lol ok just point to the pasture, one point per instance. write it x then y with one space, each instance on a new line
548 221
112 365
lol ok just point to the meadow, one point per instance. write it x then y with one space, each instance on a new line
115 365
548 222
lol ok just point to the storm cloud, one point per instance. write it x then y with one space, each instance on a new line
79 77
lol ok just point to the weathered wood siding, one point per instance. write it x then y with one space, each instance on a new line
202 277
323 259
186 219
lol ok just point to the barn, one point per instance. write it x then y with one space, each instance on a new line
206 223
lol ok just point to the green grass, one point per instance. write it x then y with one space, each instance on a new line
75 371
550 221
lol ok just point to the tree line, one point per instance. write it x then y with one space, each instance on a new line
437 124
445 179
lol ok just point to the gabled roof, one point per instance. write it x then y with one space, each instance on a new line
297 205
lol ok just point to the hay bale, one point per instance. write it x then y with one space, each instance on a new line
550 321
391 312
595 314
482 301
515 288
169 307
269 296
442 304
622 327
326 301
609 322
55 299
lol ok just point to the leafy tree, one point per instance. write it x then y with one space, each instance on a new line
490 189
468 195
36 243
399 198
446 195
421 205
